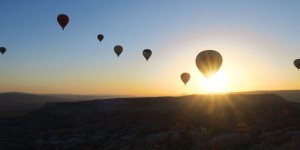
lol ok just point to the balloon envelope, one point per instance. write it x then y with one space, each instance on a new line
2 50
147 53
209 62
63 20
297 63
118 49
185 77
100 37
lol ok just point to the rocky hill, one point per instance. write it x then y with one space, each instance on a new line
16 104
13 104
187 122
289 95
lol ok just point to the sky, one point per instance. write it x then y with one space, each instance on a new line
258 40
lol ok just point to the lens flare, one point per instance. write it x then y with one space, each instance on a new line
216 84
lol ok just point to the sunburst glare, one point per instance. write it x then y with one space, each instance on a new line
218 83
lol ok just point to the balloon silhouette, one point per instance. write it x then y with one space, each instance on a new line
2 50
209 62
118 49
297 63
63 20
100 37
147 53
185 77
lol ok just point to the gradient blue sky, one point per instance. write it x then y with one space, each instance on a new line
258 40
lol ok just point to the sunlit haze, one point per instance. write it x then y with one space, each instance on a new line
258 40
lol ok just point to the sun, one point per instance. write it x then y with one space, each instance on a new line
216 84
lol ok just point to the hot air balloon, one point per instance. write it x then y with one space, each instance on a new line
147 53
63 20
185 77
242 128
297 63
100 37
2 50
209 62
118 50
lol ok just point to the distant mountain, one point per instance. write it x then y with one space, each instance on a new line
86 97
15 104
290 95
186 122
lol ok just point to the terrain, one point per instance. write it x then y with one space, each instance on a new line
16 104
185 122
289 95
13 104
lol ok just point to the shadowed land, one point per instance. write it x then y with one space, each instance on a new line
13 104
187 122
